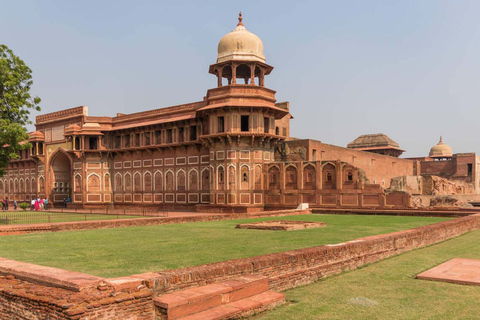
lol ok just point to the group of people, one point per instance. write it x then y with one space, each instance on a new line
35 204
39 204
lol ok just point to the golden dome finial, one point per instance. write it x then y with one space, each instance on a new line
240 23
441 141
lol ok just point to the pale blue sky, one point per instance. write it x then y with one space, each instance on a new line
409 69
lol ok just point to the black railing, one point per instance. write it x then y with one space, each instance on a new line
70 215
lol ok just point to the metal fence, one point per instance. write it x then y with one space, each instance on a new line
55 216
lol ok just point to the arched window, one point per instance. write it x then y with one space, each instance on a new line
350 176
158 181
273 181
147 180
221 178
93 183
169 181
309 177
205 179
291 177
137 182
181 180
118 183
329 176
128 182
193 180
245 174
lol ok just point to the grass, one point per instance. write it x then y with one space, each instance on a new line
27 217
391 284
125 251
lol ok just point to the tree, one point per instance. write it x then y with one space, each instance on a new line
15 105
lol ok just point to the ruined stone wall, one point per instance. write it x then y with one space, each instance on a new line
431 185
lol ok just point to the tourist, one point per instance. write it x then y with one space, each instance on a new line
6 203
32 204
45 203
64 202
15 204
4 206
36 204
41 204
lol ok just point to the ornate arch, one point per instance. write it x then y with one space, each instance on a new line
245 177
220 177
147 181
94 182
118 182
127 182
158 180
77 182
137 182
291 177
169 180
193 179
181 178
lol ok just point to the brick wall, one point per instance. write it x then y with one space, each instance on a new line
131 297
298 267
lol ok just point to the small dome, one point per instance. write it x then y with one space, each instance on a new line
240 44
441 150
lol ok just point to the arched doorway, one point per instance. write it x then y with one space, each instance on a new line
61 176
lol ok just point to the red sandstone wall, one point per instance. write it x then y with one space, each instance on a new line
380 169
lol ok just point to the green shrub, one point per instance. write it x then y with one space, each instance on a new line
24 206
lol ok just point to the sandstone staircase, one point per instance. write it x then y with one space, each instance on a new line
231 299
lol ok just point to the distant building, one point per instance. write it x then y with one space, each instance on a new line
377 143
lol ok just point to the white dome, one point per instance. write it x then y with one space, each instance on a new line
240 44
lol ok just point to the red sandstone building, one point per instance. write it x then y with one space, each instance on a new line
230 151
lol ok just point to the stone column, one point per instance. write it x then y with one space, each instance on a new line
252 75
219 75
234 73
262 78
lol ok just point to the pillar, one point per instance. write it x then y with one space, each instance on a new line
261 78
219 75
234 73
252 75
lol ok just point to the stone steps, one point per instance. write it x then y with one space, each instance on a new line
242 308
230 299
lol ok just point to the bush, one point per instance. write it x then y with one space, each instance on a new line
24 206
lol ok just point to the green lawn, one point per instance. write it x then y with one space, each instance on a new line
125 251
391 285
27 217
